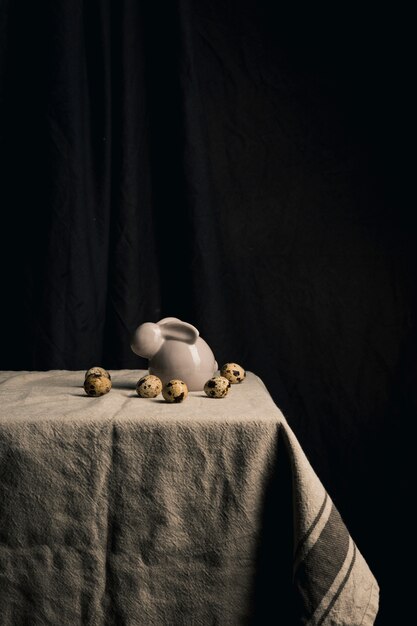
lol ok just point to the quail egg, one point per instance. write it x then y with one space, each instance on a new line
175 390
149 386
217 387
233 372
96 385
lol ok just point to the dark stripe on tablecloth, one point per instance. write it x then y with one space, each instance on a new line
340 588
312 527
317 571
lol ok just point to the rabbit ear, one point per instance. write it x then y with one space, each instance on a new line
173 328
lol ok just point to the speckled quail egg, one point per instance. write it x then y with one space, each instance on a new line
98 370
233 372
175 390
149 386
96 385
217 387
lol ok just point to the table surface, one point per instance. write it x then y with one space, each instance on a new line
59 394
127 510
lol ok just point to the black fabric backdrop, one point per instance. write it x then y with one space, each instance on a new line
241 166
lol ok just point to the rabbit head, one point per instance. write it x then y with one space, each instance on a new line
148 338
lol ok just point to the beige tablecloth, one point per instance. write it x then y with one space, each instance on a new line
131 511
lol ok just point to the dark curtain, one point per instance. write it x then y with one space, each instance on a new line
242 166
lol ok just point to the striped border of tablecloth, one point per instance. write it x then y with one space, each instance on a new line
323 562
333 580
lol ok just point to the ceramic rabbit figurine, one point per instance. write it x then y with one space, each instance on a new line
175 350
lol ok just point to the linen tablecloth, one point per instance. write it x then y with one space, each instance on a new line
131 511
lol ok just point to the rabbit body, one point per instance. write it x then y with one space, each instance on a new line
175 350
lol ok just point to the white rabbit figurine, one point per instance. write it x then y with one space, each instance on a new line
175 350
